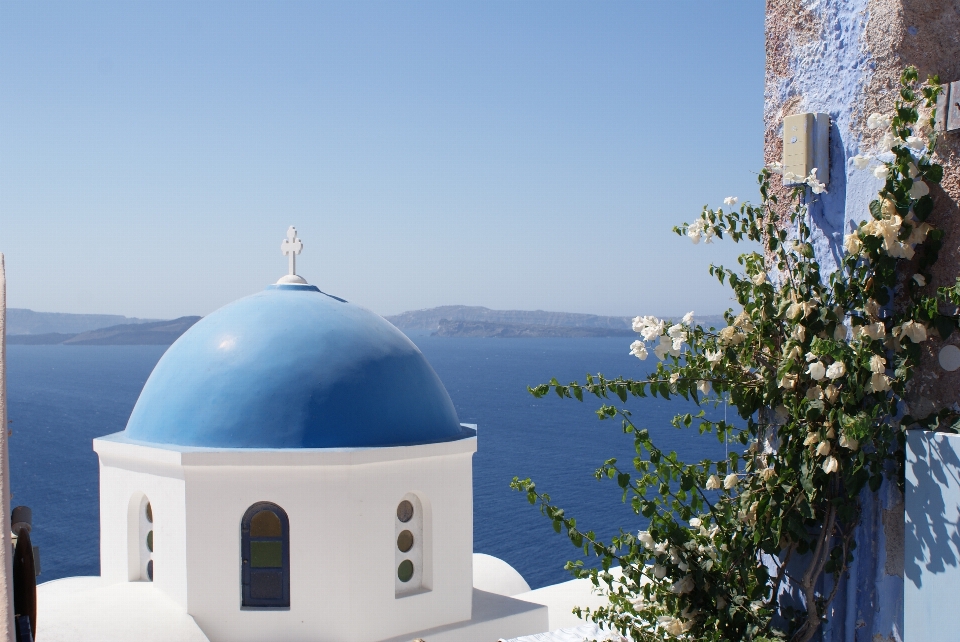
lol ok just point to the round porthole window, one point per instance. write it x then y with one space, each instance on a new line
405 511
150 541
405 541
405 570
149 513
150 570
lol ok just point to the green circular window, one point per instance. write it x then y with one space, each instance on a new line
150 541
405 511
149 512
405 570
405 541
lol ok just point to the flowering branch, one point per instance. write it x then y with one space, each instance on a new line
816 366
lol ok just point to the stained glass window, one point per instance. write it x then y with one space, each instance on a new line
265 556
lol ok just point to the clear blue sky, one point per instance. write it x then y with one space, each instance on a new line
516 155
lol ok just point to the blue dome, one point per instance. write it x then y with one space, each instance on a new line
292 367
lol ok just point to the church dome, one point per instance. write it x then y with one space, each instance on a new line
292 367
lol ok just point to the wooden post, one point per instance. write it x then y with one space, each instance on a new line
6 552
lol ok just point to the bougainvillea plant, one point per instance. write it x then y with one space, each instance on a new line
816 366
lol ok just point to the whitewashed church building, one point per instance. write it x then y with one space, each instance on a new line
293 470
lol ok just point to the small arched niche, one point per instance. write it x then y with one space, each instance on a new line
411 557
140 539
265 556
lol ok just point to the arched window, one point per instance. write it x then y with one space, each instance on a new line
409 545
140 539
265 556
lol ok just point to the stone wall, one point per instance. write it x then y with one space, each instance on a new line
844 58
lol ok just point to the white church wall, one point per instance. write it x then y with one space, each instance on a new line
342 508
163 486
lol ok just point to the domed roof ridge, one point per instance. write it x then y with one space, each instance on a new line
293 367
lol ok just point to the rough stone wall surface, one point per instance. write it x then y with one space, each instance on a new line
844 58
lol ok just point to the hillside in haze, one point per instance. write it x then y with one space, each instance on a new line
147 333
23 321
476 321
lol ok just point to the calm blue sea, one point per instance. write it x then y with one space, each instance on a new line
61 397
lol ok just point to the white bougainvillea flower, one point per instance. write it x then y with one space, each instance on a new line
682 586
812 438
916 332
836 370
659 571
639 350
919 189
889 141
695 231
815 185
874 331
814 393
704 387
730 481
666 347
649 327
713 483
816 370
646 539
811 357
776 167
877 363
920 280
861 161
878 383
788 381
799 333
713 356
759 278
912 170
831 393
687 318
848 442
851 243
830 465
916 143
794 310
695 522
823 449
730 336
878 121
880 171
730 200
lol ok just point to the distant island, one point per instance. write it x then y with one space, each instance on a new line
480 322
160 333
26 327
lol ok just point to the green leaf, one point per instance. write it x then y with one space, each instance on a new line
923 207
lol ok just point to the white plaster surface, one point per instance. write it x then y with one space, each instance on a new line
341 505
578 634
493 575
932 537
562 598
86 609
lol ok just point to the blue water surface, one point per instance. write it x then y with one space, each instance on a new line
62 397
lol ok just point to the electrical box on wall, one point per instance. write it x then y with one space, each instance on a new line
948 108
806 146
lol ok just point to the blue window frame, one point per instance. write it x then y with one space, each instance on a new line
265 556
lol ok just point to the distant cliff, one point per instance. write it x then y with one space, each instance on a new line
482 329
475 321
129 334
23 321
430 319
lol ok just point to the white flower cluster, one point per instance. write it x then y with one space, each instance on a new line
671 338
701 229
810 181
